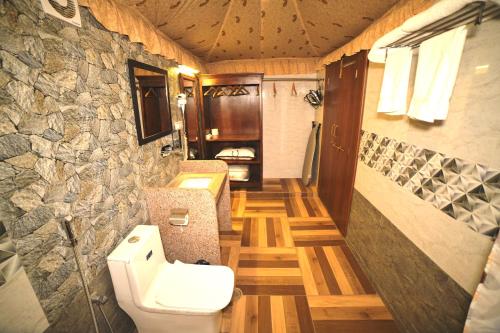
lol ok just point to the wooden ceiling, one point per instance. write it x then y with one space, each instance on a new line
218 30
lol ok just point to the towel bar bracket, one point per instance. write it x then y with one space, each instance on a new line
479 18
475 12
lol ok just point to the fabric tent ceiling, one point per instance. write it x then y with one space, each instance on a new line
218 30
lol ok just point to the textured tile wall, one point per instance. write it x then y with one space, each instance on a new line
467 191
421 296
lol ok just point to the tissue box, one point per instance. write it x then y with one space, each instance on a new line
178 216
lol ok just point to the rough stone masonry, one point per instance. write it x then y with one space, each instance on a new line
68 145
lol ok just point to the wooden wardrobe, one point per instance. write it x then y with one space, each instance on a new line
345 83
232 103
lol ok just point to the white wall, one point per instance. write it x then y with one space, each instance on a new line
286 125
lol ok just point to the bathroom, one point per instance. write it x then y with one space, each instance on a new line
251 201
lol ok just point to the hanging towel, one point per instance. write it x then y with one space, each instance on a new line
437 68
395 83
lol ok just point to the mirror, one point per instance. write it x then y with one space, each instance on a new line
150 97
189 86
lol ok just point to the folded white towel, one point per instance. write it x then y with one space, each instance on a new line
437 68
239 173
395 83
243 153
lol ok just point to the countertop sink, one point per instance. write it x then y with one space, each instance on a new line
211 181
195 183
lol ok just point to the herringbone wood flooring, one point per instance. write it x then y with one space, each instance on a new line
294 268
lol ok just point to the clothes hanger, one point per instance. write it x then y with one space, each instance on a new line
235 91
294 91
219 92
230 90
150 92
210 90
243 91
240 91
189 92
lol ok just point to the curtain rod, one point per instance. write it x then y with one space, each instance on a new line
475 12
292 79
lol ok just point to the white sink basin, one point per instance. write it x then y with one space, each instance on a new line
195 183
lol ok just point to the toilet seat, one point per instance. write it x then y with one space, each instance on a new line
192 289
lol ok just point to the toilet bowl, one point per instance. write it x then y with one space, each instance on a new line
167 297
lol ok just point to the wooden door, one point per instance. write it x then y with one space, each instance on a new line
327 151
189 86
343 114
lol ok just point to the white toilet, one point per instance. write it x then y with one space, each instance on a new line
164 297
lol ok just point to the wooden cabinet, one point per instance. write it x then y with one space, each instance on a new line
232 103
345 83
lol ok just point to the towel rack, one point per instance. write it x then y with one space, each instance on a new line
475 12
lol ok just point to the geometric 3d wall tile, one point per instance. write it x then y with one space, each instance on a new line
466 191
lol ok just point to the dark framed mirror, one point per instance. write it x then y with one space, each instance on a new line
150 98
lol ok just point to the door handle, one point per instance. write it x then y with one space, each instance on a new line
338 147
333 130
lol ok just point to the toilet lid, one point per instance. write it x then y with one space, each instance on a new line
201 289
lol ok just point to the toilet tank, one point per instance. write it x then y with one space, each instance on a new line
134 263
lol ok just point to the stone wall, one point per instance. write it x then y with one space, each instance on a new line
68 145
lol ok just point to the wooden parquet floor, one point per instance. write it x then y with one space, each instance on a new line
294 268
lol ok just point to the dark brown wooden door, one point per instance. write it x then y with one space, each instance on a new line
342 117
189 86
327 151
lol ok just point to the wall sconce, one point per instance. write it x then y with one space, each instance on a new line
183 69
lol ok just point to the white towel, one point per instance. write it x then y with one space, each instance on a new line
437 68
438 11
395 83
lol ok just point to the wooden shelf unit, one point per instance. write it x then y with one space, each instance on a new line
241 161
233 138
238 118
